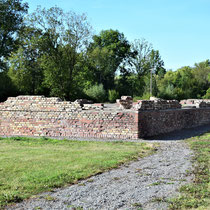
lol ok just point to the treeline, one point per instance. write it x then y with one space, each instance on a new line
55 53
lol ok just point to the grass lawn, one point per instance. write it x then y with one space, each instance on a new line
30 166
197 194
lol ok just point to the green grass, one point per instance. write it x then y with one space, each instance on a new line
197 194
30 166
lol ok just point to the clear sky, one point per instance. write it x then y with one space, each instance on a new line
179 29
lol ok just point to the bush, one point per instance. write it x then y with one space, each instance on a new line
96 93
146 96
207 96
113 95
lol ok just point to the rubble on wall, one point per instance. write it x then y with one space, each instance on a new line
144 105
83 101
42 103
156 104
198 103
39 103
125 102
93 106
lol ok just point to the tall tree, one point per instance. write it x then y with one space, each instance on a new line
186 82
145 58
11 20
25 70
108 51
141 60
144 64
201 71
58 43
156 62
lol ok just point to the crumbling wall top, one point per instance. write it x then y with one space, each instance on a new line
125 104
42 103
197 103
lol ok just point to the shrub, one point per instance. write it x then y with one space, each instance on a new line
207 96
96 93
113 95
146 96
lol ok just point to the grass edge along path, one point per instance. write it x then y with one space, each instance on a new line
196 195
30 166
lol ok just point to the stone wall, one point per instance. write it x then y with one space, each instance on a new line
197 103
156 105
156 122
52 117
40 116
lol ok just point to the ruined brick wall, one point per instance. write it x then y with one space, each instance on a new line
156 122
52 117
40 116
156 105
198 103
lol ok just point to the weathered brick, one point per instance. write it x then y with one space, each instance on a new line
40 116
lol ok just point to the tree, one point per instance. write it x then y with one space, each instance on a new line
201 72
6 87
146 58
24 69
11 22
207 95
52 53
144 64
141 60
186 82
156 63
108 51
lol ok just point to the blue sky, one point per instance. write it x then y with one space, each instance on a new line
179 29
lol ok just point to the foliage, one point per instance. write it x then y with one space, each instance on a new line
186 82
51 56
113 95
96 93
145 61
207 95
201 72
140 61
6 87
145 96
32 166
25 70
108 51
54 53
11 21
146 58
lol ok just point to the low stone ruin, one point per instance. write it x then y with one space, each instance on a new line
157 104
195 103
52 117
42 103
126 102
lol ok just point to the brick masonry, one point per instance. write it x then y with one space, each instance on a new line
40 116
52 117
156 122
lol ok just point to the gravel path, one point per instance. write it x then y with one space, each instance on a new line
139 184
143 184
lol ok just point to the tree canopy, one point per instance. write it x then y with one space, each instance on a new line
11 22
55 53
